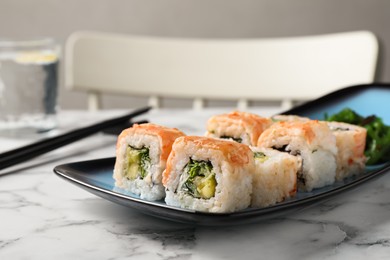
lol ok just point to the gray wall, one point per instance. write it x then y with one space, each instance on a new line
193 18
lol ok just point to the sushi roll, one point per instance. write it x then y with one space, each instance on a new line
274 176
312 141
241 127
351 142
209 175
141 155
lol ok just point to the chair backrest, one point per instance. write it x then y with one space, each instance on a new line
276 69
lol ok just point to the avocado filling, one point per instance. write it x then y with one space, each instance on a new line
137 162
201 181
261 157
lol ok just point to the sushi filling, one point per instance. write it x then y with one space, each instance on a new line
137 162
339 128
261 157
286 149
238 139
199 179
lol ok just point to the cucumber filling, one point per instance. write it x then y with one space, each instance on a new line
200 182
137 162
261 157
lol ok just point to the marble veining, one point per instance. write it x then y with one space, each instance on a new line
44 217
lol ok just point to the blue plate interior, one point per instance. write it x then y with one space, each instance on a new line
96 176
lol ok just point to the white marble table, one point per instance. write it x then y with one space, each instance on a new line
44 217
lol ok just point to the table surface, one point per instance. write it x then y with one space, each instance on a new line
44 217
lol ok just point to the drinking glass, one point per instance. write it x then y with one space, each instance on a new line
28 85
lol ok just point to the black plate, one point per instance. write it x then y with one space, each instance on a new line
96 176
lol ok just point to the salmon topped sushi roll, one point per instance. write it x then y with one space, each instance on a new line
141 155
313 142
209 175
274 177
238 126
351 142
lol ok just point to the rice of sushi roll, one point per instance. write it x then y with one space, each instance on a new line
314 142
351 142
209 175
238 126
274 177
141 155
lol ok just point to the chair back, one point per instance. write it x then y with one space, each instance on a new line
276 69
